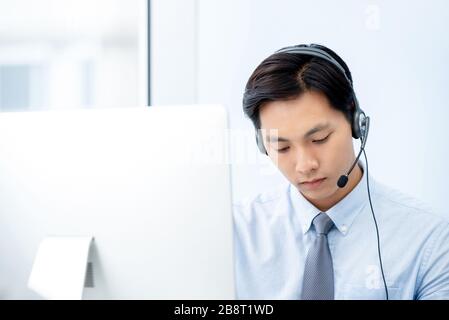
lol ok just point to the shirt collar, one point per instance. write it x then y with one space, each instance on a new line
342 214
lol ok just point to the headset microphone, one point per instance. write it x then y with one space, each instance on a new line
343 180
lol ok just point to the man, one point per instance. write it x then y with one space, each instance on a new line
310 238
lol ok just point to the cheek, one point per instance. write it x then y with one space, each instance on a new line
339 153
284 163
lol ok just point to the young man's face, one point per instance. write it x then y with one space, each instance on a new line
298 151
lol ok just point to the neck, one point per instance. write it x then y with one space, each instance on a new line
354 178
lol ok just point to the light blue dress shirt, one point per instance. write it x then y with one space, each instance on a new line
273 233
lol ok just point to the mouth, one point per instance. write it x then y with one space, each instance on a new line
312 184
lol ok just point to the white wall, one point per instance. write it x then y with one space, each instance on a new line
173 51
397 53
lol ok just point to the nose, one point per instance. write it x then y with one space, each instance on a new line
305 163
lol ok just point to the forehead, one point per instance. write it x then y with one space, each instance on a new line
299 114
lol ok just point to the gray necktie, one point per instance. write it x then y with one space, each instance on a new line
318 281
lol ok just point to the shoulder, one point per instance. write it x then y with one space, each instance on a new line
405 206
261 205
412 220
257 222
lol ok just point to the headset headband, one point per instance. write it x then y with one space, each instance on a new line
316 52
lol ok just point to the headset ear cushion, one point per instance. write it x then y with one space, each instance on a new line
356 132
259 141
358 122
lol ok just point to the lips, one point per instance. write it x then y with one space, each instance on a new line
312 181
312 185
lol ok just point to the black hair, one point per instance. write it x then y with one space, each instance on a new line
285 76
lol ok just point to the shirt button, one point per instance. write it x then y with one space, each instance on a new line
344 228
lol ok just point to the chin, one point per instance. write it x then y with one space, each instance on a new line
317 194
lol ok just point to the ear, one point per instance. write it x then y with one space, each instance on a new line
259 141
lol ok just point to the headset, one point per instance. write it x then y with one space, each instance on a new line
359 127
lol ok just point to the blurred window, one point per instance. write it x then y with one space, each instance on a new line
70 54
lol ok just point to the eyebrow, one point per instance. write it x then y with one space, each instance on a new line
312 131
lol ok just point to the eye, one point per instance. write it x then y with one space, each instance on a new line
321 140
283 150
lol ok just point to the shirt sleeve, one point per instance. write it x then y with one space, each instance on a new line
434 284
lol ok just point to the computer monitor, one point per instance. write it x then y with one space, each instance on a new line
150 184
